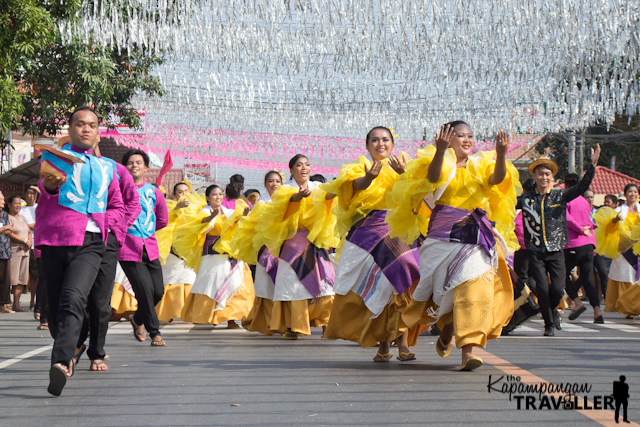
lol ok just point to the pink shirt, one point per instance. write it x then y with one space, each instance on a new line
133 246
520 230
131 203
58 225
231 204
578 217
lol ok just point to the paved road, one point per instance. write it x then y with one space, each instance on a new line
203 371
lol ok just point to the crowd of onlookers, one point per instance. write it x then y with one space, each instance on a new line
18 266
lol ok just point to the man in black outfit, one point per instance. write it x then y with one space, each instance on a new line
544 216
621 396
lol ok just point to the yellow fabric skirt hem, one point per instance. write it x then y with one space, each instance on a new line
259 319
121 300
481 308
171 304
351 320
300 316
201 309
622 297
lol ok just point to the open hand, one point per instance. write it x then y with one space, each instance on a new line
374 171
502 143
443 138
301 195
246 211
182 204
595 155
398 163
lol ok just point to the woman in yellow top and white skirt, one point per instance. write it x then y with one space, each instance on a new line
617 237
375 273
259 319
223 289
299 227
465 284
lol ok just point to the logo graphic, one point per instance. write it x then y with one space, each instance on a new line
621 396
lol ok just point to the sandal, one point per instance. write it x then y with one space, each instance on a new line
95 364
76 357
577 312
36 315
57 380
406 356
383 357
471 363
160 343
441 350
140 336
43 326
290 335
599 320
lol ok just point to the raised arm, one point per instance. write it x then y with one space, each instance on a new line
443 139
500 171
585 182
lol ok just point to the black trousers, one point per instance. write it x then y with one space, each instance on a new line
601 267
542 267
623 403
98 310
70 273
521 267
41 293
146 280
581 257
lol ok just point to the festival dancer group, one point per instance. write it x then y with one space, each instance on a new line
391 246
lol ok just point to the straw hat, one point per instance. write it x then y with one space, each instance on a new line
544 161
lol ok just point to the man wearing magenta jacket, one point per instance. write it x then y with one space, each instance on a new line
579 253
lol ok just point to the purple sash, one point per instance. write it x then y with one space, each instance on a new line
451 224
311 264
398 261
209 241
633 260
269 262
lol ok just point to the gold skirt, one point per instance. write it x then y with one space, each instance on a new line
170 306
201 309
259 319
481 308
622 297
352 320
299 316
122 301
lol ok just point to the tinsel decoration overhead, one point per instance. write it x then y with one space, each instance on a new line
339 67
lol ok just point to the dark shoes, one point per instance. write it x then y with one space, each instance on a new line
557 320
548 331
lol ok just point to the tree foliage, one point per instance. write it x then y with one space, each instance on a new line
42 79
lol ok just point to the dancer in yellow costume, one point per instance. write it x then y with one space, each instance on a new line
617 237
223 289
178 278
299 227
259 319
375 272
464 279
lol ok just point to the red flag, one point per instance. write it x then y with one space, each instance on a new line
166 166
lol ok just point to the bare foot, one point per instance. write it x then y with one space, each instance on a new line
98 365
157 341
18 309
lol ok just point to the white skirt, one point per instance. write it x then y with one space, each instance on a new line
358 272
217 280
174 272
289 288
622 271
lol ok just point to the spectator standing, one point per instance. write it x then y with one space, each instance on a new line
5 258
21 241
28 212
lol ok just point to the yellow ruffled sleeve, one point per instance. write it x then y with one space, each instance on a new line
353 205
501 199
407 214
189 237
229 227
165 235
241 244
612 238
313 213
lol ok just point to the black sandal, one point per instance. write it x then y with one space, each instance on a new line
57 380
